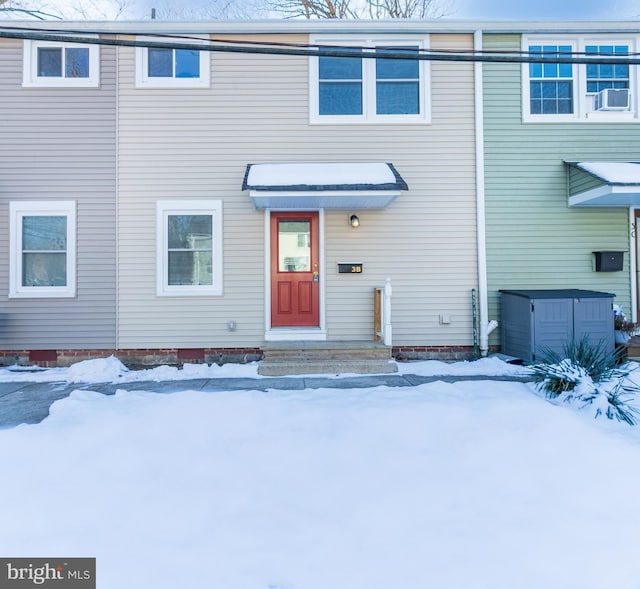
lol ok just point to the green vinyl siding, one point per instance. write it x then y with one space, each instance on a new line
580 181
534 240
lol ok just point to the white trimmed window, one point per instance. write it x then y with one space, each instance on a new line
348 89
189 258
42 249
52 64
579 92
165 67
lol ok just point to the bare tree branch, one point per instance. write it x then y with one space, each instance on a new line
94 9
9 7
228 9
314 8
408 8
374 9
218 10
99 9
196 10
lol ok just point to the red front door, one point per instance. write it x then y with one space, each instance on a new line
295 278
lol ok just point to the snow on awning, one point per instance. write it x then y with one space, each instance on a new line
300 186
604 184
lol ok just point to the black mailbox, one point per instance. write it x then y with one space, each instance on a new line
609 261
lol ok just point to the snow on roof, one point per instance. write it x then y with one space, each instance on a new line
613 172
325 176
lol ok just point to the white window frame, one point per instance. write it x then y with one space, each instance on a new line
30 78
369 115
583 103
17 211
165 208
143 80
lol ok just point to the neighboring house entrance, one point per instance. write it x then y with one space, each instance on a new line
295 270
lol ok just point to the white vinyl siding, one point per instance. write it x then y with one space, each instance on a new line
179 144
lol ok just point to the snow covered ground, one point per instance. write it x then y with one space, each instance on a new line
469 485
113 371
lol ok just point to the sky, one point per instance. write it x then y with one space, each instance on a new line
458 485
495 9
457 9
546 9
492 9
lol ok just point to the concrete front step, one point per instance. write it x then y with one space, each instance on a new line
308 357
266 368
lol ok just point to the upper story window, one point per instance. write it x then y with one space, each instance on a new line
61 64
173 63
556 91
551 84
163 67
398 84
379 89
42 249
602 76
340 86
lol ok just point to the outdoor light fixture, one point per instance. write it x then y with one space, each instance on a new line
354 221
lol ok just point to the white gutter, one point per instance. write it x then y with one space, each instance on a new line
486 326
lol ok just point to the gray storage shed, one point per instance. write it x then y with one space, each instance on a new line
534 321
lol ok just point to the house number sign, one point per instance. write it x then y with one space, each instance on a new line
351 268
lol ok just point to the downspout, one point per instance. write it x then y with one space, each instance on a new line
486 326
633 265
116 172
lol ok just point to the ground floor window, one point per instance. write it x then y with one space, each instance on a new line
42 246
189 247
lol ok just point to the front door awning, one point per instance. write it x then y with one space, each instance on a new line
305 186
604 184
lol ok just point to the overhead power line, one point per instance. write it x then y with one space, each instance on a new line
312 50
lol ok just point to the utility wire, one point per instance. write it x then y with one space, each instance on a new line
312 50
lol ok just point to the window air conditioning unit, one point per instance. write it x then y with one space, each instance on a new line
612 99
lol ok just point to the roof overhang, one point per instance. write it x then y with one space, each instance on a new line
604 184
304 186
